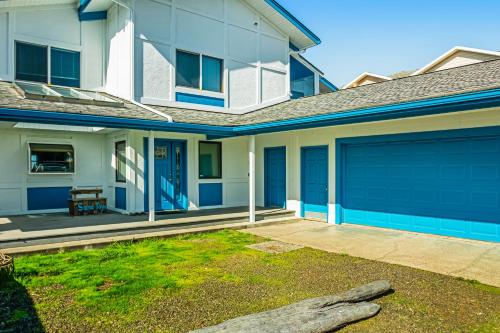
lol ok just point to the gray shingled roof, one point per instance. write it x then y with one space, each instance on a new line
470 78
11 98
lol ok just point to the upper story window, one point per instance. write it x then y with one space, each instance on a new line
198 71
301 79
32 64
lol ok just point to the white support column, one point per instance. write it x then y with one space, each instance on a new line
151 176
251 178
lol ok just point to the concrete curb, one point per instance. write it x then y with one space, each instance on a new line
101 242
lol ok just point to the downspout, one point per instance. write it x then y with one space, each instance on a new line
132 68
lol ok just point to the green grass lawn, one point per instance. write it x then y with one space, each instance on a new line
179 284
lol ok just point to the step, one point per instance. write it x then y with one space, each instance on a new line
129 228
57 245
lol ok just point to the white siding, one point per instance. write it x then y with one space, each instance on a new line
226 29
461 58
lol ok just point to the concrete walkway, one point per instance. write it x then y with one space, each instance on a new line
469 259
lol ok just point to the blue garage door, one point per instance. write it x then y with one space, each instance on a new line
446 186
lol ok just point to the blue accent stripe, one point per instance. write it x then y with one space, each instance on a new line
42 198
448 104
210 194
83 5
121 198
197 99
328 84
286 14
92 16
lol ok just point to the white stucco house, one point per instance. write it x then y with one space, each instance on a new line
187 105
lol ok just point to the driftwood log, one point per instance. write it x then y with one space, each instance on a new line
316 315
6 266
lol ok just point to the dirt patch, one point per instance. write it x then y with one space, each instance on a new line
274 247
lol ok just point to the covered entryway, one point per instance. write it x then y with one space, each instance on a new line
275 177
169 175
314 182
445 183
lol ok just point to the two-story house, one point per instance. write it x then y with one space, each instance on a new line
185 105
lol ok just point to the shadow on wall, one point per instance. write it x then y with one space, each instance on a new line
17 311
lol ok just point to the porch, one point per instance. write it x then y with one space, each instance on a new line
26 230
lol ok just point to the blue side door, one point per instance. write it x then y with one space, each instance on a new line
314 182
275 177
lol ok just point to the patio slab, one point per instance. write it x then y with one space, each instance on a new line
468 259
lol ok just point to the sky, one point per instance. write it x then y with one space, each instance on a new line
388 36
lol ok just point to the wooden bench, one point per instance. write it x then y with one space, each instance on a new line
86 205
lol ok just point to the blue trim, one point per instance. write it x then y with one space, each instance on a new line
83 5
121 198
286 14
448 104
328 84
42 198
293 47
92 16
197 99
267 183
430 136
312 208
460 102
210 194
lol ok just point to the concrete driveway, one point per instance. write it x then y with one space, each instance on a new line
469 259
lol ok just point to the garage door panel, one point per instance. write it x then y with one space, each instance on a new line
443 186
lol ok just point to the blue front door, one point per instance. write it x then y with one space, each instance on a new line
170 175
314 182
445 183
275 177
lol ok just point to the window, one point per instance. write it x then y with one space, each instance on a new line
31 62
212 74
190 75
32 65
65 67
210 160
120 161
51 158
301 79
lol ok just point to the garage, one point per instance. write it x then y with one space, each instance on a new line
445 183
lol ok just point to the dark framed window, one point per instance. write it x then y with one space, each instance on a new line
210 160
301 79
32 65
187 73
211 74
120 161
51 158
31 62
64 67
193 73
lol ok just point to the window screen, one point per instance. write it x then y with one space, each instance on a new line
212 74
31 62
65 67
188 70
210 160
121 161
51 158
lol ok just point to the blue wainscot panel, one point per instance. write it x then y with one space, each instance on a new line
121 198
210 194
41 198
197 99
